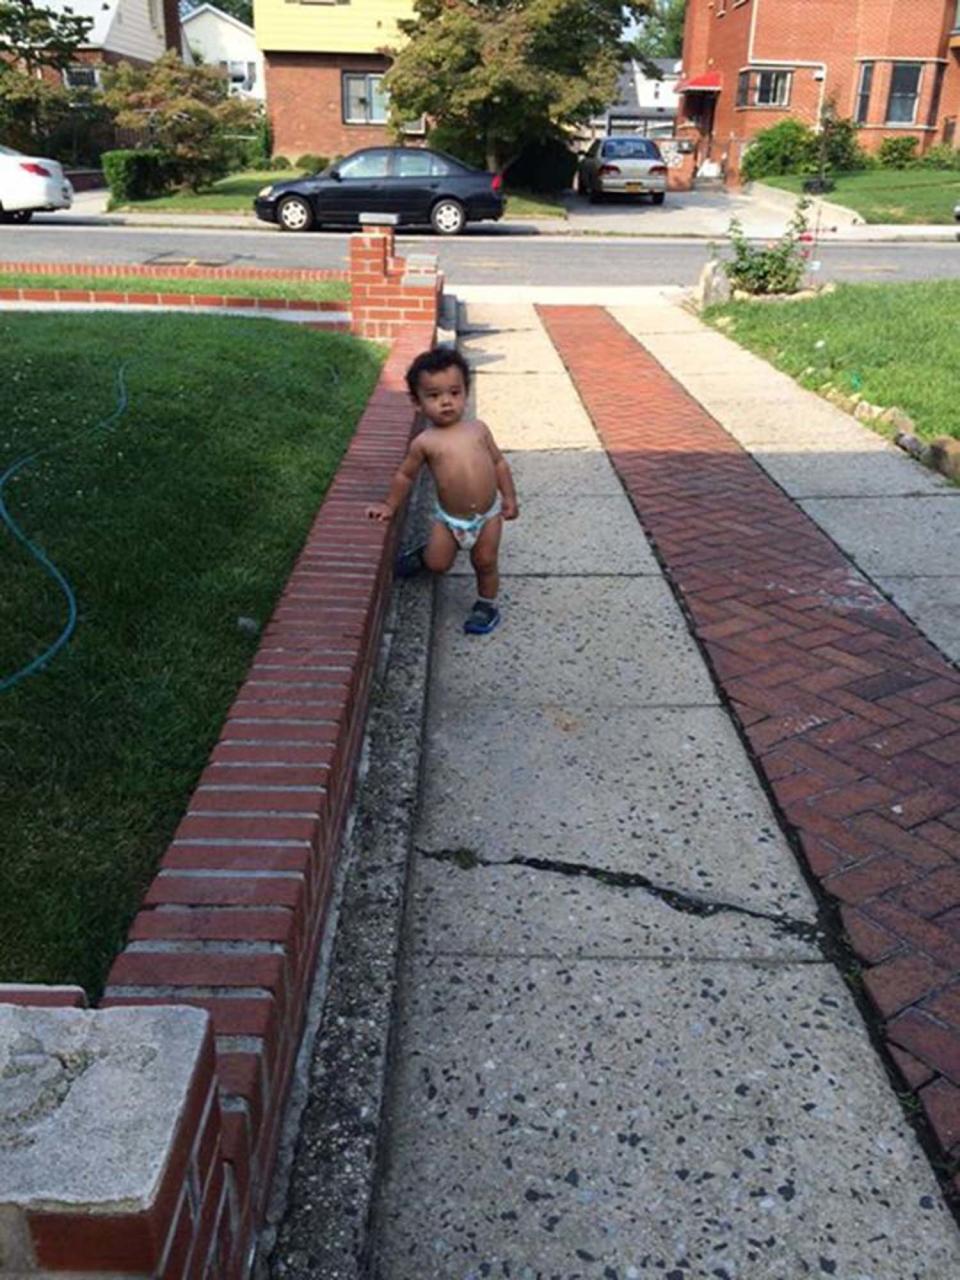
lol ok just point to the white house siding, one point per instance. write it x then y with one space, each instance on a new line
218 38
137 30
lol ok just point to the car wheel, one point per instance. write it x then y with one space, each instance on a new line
659 197
448 217
21 215
294 214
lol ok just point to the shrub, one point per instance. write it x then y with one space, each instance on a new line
311 163
543 166
843 149
776 268
787 147
457 143
280 162
898 153
941 157
135 175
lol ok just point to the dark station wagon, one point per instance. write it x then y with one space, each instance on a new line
421 187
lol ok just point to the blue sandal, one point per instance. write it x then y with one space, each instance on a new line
482 619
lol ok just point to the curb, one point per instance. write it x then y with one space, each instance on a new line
787 200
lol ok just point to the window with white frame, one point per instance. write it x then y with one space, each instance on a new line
773 89
904 92
82 76
364 98
864 89
241 75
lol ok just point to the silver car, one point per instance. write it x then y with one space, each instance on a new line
623 166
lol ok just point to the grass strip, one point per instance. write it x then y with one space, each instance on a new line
183 518
896 345
899 197
230 287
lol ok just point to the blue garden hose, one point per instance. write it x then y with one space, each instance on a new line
38 663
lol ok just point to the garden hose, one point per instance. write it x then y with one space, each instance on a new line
47 656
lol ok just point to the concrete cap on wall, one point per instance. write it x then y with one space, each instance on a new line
379 220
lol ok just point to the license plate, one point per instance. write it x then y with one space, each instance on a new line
634 186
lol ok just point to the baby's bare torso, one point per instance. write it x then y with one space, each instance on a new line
462 465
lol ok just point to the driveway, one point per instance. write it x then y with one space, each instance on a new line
684 213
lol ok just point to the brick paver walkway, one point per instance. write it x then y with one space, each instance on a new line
853 717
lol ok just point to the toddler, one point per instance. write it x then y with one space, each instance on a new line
475 492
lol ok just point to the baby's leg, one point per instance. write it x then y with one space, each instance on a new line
441 549
484 558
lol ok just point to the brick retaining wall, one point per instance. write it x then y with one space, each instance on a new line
233 922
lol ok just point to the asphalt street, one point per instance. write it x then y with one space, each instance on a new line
481 257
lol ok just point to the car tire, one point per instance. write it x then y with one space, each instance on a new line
21 215
294 214
448 217
658 197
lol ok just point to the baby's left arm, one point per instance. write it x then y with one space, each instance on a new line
510 507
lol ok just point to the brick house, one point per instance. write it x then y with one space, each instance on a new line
894 67
325 63
134 31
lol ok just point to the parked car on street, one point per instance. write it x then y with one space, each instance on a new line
29 185
623 166
420 186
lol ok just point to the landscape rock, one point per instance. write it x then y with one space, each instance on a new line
901 422
945 456
714 286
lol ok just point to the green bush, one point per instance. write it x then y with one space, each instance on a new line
262 145
898 153
941 157
543 167
136 175
776 268
787 147
843 149
311 163
280 162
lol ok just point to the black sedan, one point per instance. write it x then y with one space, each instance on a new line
420 186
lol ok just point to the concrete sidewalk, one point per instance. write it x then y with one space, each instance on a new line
623 1048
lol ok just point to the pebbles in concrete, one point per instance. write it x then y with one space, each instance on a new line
588 642
674 1120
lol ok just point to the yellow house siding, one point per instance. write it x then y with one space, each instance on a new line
358 26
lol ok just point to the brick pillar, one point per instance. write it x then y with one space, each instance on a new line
390 293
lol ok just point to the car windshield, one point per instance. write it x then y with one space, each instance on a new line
631 149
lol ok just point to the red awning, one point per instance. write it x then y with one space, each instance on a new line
709 82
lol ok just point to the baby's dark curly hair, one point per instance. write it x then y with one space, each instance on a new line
436 361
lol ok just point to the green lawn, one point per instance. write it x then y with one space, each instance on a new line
896 345
311 290
900 196
235 195
524 204
230 195
172 524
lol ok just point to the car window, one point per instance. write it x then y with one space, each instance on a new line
413 164
630 149
367 164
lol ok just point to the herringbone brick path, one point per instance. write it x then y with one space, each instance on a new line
852 715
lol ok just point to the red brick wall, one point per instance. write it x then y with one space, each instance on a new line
304 98
836 32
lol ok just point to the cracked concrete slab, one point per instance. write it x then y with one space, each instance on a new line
587 642
666 793
580 535
632 1119
520 911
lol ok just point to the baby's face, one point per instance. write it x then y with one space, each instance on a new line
442 396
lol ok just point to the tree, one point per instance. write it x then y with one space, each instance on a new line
34 39
661 31
502 73
185 112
